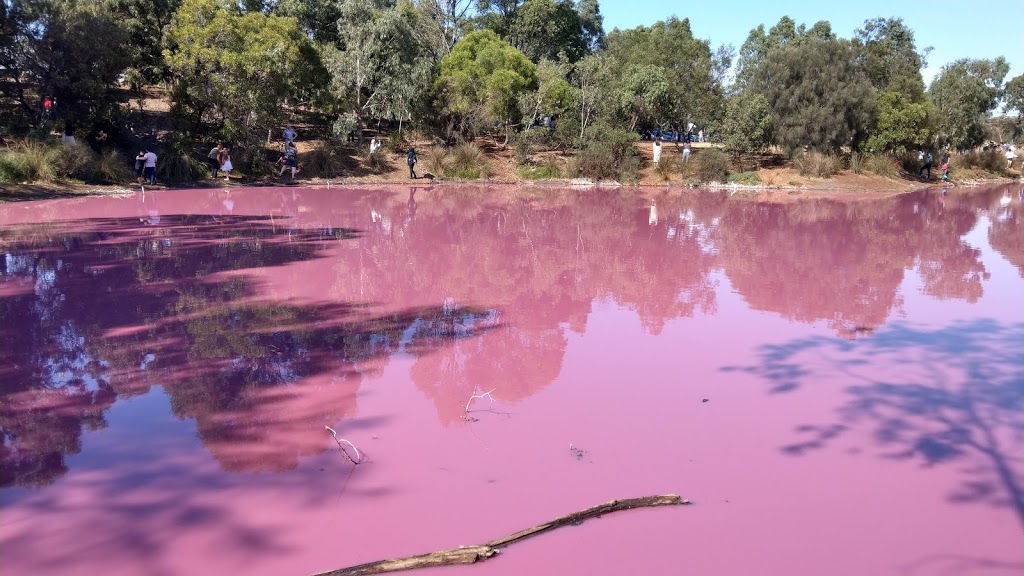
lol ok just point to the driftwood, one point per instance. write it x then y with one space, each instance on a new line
473 554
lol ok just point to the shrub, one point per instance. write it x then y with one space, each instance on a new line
669 165
607 154
110 167
437 161
857 163
816 164
749 178
72 161
178 165
992 160
324 161
467 161
882 165
27 161
378 162
712 165
549 168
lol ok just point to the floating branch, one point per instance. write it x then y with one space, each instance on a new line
357 459
473 554
465 412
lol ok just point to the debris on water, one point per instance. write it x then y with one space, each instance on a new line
576 452
704 400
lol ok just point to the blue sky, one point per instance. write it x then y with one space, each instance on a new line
954 29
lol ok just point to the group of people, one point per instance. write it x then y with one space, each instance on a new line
219 160
657 151
927 160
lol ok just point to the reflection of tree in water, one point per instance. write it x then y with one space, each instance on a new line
953 396
844 262
116 306
1007 233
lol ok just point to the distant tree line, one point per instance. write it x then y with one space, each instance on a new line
459 69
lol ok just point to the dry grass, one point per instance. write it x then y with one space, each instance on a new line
816 164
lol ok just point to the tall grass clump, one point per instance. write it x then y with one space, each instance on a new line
669 165
857 161
881 165
324 161
436 162
545 170
712 165
467 161
27 161
988 160
815 164
180 166
607 153
72 161
112 168
378 162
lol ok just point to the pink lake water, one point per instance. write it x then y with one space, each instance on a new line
838 387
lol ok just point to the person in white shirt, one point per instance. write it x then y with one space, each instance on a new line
657 152
149 166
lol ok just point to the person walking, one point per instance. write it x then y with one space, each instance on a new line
290 159
928 160
686 151
149 169
213 159
410 159
288 134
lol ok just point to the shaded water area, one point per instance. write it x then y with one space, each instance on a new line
839 387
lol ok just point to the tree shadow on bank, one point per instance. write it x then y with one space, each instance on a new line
947 397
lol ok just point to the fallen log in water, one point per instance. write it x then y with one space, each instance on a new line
473 554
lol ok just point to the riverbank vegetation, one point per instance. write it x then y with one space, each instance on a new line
505 89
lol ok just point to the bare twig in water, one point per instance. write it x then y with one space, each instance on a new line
465 412
357 459
473 554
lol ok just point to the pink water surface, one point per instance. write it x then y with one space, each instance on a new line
838 387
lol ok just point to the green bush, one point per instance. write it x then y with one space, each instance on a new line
547 169
607 153
712 165
748 178
72 161
27 161
816 164
180 166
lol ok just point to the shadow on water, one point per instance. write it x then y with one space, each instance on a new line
952 396
104 309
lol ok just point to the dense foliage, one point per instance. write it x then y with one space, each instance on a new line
462 69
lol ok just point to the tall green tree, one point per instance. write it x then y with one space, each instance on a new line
818 95
51 48
547 28
378 67
1014 101
759 43
901 124
747 128
687 64
144 21
232 71
481 81
887 53
963 93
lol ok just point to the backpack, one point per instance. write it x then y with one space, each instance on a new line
930 158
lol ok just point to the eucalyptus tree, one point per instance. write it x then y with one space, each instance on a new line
964 93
